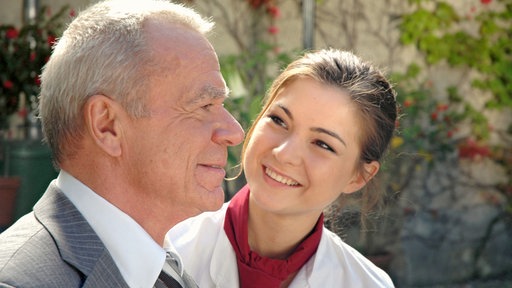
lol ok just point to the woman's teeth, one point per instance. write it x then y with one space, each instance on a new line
280 178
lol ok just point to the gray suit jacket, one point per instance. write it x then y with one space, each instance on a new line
54 246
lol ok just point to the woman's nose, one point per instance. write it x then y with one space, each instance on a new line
288 151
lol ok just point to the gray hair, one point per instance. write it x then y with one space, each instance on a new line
103 51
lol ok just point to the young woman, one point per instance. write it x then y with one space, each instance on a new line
325 124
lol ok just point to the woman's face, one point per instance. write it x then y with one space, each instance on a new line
303 152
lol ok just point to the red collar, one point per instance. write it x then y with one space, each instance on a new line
253 269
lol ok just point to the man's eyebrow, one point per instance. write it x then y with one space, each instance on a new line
314 129
210 93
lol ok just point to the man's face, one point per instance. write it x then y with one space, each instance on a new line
178 153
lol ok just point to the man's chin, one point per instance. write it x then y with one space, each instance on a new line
213 199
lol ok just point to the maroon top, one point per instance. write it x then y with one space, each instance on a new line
253 269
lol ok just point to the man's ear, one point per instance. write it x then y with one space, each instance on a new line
102 121
360 179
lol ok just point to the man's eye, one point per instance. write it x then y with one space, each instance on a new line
207 106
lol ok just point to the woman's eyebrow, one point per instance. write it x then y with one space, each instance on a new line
314 129
286 111
328 132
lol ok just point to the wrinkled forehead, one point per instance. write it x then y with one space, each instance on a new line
184 57
178 44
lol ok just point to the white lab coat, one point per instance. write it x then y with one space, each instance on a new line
209 258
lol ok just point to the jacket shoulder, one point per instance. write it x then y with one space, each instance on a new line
29 256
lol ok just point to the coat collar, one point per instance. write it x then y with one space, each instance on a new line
76 241
223 275
310 275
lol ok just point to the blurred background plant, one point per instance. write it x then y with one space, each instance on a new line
433 129
23 52
24 158
446 133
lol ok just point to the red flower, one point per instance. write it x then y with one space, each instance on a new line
433 116
8 84
72 13
273 30
408 103
257 3
273 11
32 56
11 33
442 107
51 40
473 150
485 2
23 112
37 80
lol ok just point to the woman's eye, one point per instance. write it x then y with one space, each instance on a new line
324 145
277 120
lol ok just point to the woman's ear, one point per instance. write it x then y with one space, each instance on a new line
360 179
102 120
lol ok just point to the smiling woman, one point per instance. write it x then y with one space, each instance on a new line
302 141
324 126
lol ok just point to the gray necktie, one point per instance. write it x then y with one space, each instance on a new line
170 276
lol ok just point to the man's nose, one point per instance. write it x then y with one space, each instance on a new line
230 132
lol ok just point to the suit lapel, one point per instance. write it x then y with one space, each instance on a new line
76 240
105 274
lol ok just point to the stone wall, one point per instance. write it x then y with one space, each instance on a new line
451 231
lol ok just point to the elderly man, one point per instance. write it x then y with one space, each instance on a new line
132 108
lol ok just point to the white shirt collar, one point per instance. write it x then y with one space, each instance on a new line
174 253
138 257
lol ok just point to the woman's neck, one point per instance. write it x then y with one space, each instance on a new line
277 235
